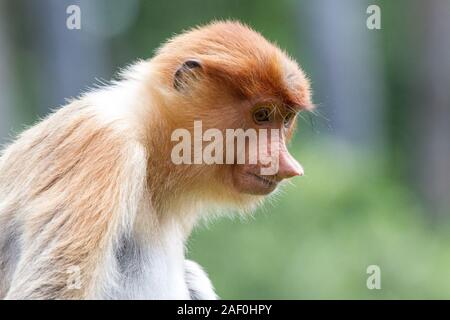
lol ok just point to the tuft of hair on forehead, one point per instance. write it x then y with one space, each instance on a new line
234 54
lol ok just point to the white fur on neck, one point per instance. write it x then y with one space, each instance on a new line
152 262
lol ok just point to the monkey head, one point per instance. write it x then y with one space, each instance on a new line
227 76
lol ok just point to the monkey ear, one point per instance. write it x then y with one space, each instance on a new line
188 70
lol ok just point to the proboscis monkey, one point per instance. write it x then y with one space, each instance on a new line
92 206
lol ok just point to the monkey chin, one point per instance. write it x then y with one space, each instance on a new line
251 182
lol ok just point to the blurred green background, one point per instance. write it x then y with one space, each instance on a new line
376 152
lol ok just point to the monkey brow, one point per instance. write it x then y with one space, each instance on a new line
281 107
293 107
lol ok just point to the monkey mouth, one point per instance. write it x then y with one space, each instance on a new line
266 180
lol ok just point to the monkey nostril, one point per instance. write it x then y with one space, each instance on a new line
291 171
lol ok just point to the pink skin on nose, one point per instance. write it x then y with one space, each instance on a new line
288 167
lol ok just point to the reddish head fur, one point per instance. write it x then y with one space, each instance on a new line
231 53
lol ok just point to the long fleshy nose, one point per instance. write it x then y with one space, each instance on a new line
288 166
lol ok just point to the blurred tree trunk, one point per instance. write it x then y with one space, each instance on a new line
70 60
350 79
431 118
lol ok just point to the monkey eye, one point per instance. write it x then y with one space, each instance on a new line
288 119
262 115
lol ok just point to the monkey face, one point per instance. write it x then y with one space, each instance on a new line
254 158
272 162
